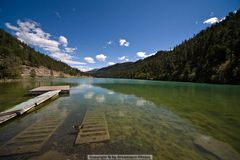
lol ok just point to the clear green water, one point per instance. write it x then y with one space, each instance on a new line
144 117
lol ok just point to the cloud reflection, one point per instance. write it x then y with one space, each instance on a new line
141 102
82 88
89 95
100 98
110 92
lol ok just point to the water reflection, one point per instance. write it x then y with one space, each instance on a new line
110 92
100 98
89 95
81 88
212 109
141 102
138 126
139 120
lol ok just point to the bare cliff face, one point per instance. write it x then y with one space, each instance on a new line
41 72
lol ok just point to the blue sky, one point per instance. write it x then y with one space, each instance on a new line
89 34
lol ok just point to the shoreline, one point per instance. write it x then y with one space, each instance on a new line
154 80
30 78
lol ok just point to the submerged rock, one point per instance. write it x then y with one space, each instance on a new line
218 148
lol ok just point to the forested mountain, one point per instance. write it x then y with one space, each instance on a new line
15 54
211 56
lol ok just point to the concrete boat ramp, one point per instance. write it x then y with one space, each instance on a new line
47 92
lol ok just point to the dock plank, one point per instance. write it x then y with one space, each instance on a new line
30 140
26 106
44 89
93 129
5 118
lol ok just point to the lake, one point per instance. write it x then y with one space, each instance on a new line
143 117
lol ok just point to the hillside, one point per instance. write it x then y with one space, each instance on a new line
211 56
16 56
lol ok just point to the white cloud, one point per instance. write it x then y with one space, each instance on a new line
124 42
8 25
143 54
122 58
222 19
63 40
70 50
68 61
30 33
89 60
111 63
109 42
101 57
83 68
66 58
58 14
36 36
211 20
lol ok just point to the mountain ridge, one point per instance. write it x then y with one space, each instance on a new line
211 56
15 55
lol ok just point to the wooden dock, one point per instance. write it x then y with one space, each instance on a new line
44 89
26 106
93 128
7 117
35 136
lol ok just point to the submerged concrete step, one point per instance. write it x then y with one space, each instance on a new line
32 140
218 148
93 128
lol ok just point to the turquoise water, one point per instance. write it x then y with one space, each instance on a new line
144 117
